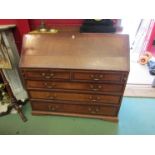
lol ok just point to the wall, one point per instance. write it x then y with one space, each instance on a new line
34 23
23 26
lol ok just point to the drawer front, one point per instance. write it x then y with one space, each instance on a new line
75 97
46 75
76 109
75 86
109 76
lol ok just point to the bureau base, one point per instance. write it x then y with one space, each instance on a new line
106 118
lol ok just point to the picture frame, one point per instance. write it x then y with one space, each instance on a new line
5 62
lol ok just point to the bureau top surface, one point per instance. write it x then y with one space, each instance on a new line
76 51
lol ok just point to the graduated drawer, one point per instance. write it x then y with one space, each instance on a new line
75 109
95 87
46 74
102 76
75 97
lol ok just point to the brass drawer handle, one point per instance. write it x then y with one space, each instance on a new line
52 74
99 86
94 99
97 109
95 88
43 74
91 110
101 76
94 110
48 85
92 76
52 108
47 76
52 97
96 77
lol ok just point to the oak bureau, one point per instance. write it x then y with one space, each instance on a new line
77 74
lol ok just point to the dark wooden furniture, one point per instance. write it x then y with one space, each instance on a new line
75 74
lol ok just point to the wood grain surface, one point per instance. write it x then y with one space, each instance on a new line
76 51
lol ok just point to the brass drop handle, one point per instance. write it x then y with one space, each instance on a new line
97 109
52 74
92 76
101 76
95 88
43 74
52 108
49 85
91 110
91 86
99 86
52 97
94 109
96 77
48 76
98 98
94 99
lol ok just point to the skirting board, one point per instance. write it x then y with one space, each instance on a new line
133 90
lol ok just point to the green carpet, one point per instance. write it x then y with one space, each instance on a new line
137 116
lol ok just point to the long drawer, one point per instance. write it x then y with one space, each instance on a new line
75 97
103 87
75 109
